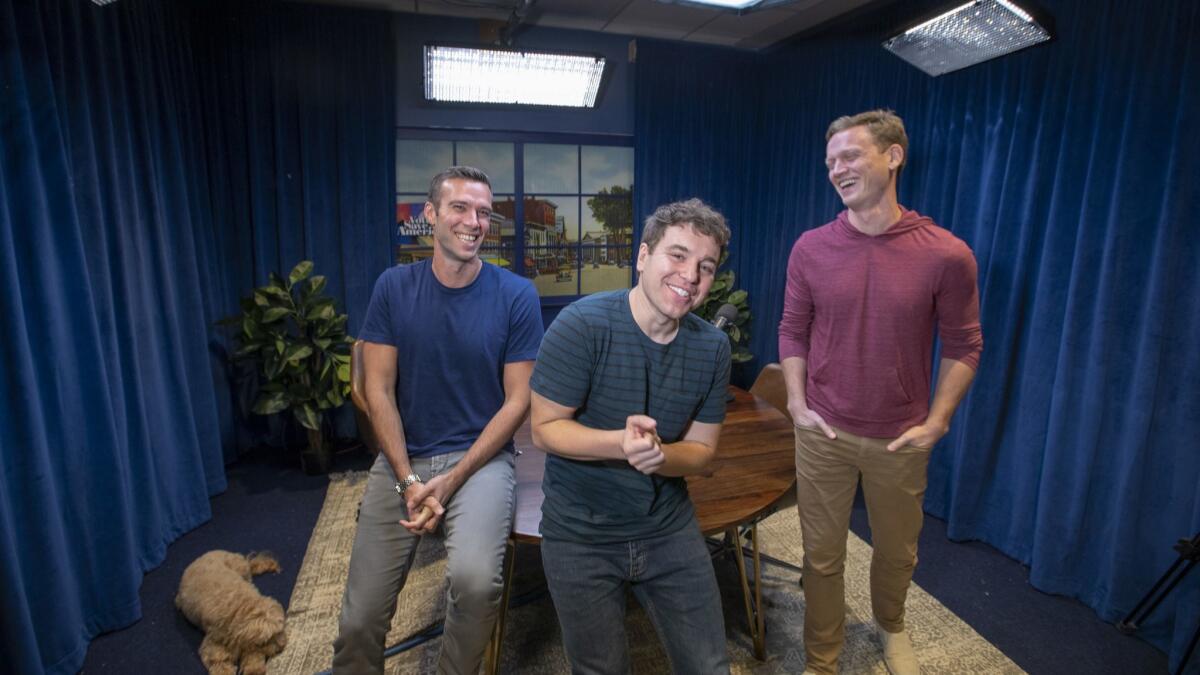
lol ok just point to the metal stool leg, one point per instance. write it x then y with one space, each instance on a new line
754 613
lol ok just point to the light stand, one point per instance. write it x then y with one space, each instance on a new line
1189 552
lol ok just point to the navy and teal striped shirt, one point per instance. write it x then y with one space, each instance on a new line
595 359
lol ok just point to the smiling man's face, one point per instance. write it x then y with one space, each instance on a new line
676 276
461 218
859 169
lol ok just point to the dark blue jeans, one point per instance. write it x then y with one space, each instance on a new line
671 576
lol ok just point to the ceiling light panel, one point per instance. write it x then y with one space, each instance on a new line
727 4
966 35
468 75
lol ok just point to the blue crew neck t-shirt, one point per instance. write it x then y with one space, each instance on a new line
451 344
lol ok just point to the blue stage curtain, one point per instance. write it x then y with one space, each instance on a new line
108 419
297 104
157 160
1071 170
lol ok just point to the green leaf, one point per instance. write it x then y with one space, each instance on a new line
717 287
343 372
260 298
737 297
297 352
274 367
270 403
735 333
308 417
322 343
300 271
278 346
342 358
246 350
322 312
315 285
275 292
741 356
274 314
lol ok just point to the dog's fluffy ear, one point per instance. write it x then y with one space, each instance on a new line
262 562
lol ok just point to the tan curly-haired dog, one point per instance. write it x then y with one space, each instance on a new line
242 627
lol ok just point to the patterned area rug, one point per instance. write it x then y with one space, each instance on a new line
944 643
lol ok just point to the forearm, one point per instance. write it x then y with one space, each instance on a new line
795 375
686 458
389 431
568 438
954 379
495 434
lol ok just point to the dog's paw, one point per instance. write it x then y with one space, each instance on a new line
262 562
254 663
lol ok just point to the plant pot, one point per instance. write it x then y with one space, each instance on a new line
317 458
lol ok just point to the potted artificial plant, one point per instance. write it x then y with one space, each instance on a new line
296 343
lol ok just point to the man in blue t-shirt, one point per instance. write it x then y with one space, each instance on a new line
629 397
450 344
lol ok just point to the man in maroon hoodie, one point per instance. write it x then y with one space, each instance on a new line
864 295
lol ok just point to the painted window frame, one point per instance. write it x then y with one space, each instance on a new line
519 140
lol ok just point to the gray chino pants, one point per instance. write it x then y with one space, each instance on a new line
476 525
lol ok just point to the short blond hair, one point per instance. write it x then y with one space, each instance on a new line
885 127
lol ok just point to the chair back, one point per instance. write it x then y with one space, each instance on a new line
770 387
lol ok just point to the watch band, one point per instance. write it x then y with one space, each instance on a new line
406 483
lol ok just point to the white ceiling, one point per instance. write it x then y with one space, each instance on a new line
643 18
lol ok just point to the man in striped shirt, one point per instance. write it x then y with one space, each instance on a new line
628 398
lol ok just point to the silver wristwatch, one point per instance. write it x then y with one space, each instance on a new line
406 483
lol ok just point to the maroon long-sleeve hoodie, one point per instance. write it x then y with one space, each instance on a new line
861 310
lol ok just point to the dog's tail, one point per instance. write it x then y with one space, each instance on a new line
262 562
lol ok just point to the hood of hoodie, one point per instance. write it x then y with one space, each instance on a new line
909 220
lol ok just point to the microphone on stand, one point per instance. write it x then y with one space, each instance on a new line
725 316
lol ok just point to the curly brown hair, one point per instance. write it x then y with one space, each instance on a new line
701 216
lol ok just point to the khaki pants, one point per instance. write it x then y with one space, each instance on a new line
827 474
